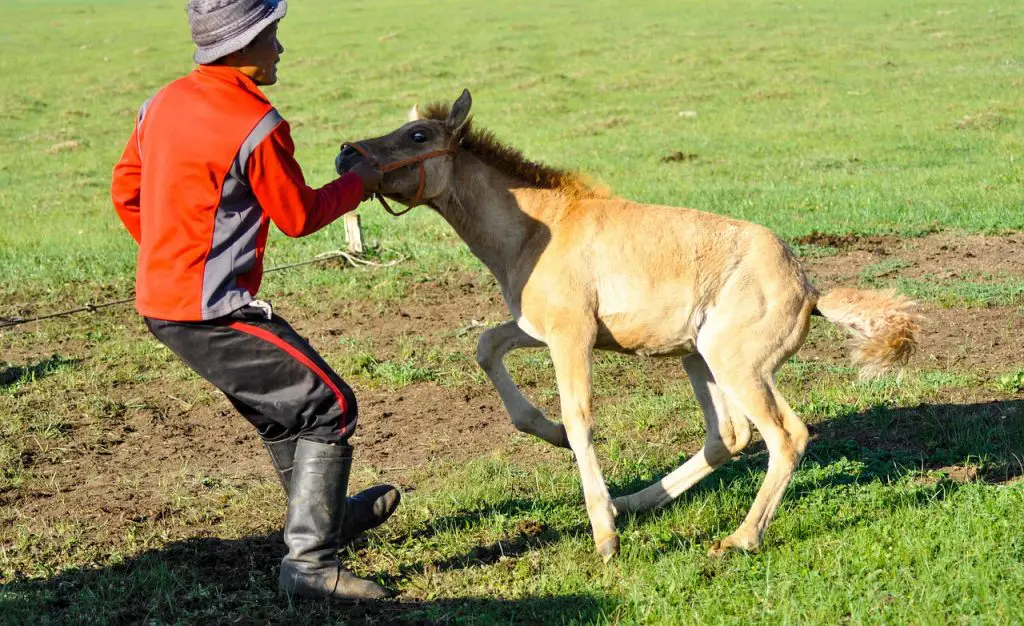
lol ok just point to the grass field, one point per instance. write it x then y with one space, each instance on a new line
883 139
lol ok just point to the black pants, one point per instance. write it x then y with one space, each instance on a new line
270 374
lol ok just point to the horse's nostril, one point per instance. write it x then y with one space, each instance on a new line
344 162
345 159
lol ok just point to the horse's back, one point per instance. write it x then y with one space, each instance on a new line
656 272
653 274
663 244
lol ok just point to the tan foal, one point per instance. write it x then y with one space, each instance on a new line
581 269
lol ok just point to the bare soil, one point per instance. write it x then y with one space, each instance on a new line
113 471
978 338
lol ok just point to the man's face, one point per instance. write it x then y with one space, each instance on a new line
259 59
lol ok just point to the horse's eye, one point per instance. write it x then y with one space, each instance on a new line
418 136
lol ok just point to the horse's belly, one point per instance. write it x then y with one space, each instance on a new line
628 334
648 335
641 316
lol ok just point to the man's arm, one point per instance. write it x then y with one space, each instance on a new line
126 185
278 183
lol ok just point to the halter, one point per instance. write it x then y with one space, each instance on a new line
390 167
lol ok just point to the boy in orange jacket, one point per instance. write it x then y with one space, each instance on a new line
209 165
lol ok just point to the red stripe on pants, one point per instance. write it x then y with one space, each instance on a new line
296 354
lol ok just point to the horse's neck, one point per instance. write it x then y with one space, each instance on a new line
486 214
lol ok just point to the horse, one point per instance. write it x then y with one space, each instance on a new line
581 269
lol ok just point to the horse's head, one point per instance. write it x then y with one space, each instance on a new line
417 159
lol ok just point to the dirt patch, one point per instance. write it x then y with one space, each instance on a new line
979 338
122 473
849 241
118 470
941 256
956 473
437 312
400 432
677 157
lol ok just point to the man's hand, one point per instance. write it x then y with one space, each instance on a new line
367 172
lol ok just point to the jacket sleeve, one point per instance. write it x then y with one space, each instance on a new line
125 189
277 182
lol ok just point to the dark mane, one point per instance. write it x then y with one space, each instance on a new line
489 149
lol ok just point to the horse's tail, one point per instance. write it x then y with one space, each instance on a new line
883 326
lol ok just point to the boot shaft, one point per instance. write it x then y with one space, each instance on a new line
316 503
282 455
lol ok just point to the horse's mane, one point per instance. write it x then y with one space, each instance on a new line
489 149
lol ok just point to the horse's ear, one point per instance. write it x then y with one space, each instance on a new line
414 113
459 114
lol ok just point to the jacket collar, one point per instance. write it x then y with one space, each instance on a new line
232 76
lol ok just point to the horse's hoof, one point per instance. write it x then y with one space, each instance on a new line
721 548
717 551
609 548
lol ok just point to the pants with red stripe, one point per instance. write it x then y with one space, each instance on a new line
270 374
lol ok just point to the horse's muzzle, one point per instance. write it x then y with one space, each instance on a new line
347 159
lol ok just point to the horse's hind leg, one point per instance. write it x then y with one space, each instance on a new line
494 344
728 432
744 364
786 439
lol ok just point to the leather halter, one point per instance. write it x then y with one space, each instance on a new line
419 160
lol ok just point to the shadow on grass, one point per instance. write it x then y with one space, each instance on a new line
10 376
988 436
530 534
929 453
964 442
510 507
212 581
215 581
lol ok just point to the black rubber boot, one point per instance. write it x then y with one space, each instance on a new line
365 510
369 509
282 454
316 512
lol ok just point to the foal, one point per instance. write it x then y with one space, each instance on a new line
581 269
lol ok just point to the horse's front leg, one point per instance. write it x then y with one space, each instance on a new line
494 344
572 352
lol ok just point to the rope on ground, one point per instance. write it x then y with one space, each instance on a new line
82 309
351 259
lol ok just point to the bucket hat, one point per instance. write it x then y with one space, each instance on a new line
220 27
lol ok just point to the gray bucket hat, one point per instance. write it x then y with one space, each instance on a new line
220 27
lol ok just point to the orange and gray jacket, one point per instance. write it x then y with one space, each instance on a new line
209 165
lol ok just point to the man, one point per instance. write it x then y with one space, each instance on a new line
208 166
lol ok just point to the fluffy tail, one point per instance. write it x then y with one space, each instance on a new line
883 326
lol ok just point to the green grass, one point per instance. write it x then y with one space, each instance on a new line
879 525
860 539
866 117
948 293
980 290
1012 382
